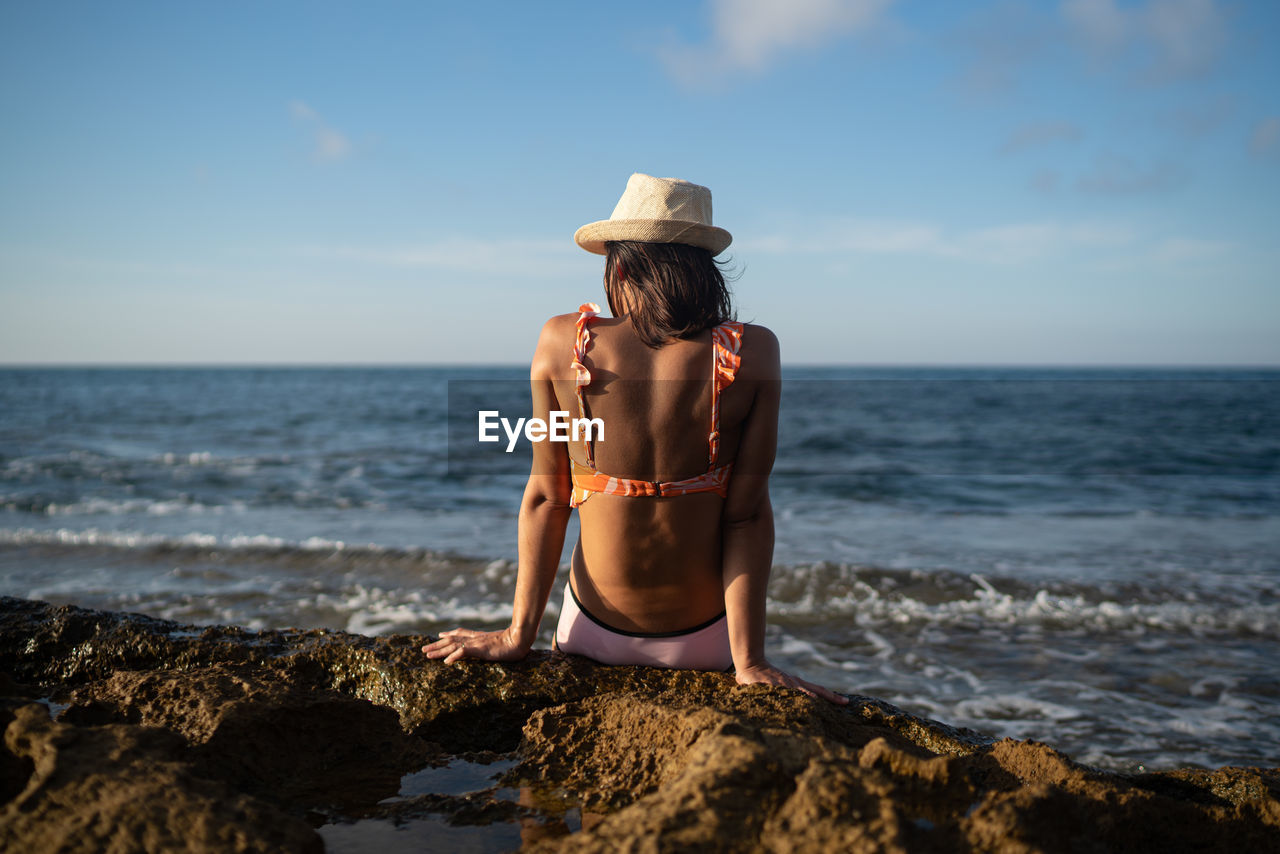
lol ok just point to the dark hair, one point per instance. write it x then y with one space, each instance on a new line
672 290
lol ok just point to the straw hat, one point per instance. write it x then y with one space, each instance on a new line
658 210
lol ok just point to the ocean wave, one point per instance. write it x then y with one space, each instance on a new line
262 551
91 482
1129 716
93 537
871 600
877 598
374 611
97 506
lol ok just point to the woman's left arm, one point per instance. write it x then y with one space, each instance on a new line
544 515
747 528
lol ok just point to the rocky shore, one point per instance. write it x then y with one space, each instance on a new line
127 733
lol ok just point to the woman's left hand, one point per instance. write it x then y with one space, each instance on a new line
468 643
766 674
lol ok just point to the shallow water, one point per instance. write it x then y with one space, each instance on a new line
414 836
1089 558
411 827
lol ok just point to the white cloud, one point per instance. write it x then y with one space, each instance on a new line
302 111
748 35
1115 175
466 255
329 144
852 235
1201 118
1182 250
1040 133
1266 136
1172 38
1188 34
1002 244
998 42
1021 242
1045 181
1098 22
102 264
1039 247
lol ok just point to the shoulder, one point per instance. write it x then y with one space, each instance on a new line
555 346
759 337
558 326
761 358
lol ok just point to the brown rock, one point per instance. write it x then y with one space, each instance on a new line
263 736
123 788
176 735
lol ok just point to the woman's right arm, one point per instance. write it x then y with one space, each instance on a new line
747 526
544 515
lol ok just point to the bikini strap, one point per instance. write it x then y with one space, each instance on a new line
726 342
582 376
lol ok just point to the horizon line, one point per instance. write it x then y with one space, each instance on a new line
6 366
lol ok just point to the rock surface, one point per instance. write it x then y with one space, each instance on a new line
166 737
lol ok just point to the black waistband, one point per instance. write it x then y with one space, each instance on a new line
602 624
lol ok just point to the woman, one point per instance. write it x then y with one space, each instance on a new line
676 543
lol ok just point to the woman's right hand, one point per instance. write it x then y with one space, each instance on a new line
766 674
455 644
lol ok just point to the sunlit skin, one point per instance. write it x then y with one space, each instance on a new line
652 564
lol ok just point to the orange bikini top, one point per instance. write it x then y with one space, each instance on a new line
726 341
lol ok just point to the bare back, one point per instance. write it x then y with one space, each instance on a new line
654 564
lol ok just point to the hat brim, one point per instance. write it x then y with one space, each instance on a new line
593 236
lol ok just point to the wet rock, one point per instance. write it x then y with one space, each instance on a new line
262 735
213 738
715 780
125 788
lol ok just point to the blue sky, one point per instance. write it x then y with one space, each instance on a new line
909 182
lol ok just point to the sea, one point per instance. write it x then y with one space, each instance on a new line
1088 557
